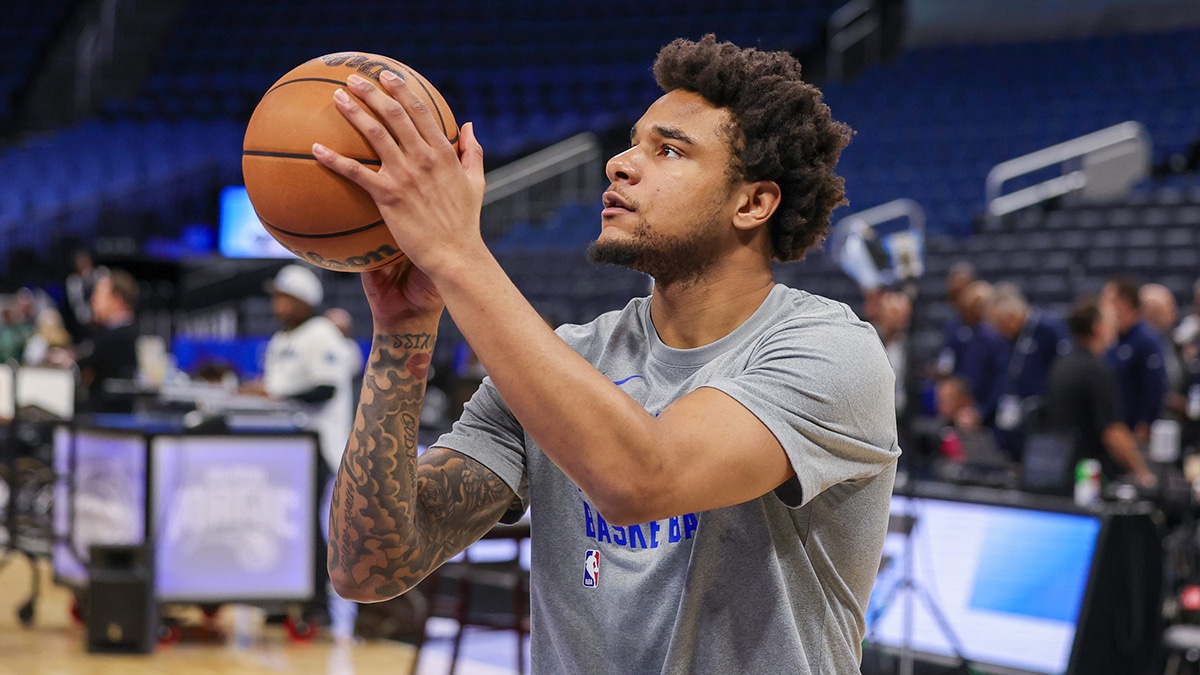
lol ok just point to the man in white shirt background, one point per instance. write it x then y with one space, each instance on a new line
306 364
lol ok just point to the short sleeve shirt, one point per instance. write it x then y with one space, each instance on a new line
777 584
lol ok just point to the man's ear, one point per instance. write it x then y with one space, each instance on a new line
758 203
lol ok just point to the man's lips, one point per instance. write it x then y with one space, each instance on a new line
615 204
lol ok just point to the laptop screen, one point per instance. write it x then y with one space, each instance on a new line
1046 464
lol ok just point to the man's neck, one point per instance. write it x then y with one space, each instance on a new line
705 310
293 325
118 319
1126 324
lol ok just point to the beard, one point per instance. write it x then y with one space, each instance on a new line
671 260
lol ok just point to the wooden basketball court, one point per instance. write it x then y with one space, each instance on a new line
54 645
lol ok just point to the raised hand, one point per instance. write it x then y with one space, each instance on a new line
429 195
399 293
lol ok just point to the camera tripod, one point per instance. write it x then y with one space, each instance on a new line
912 590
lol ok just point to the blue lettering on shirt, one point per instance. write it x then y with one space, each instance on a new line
589 524
679 528
635 536
690 523
602 529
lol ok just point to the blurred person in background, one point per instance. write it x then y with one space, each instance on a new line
892 318
976 352
1136 359
353 356
960 275
1035 340
1186 337
961 439
50 344
1082 399
110 350
1161 313
1188 330
17 315
80 285
956 405
345 325
305 365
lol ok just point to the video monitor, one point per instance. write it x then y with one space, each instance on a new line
234 517
8 392
1005 584
99 496
240 233
50 389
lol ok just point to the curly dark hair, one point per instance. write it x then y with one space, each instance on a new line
783 131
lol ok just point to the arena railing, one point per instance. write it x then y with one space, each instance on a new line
1098 166
856 22
532 187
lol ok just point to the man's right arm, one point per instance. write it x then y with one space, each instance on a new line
395 518
1123 448
1116 436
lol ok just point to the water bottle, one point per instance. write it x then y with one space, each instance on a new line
1087 482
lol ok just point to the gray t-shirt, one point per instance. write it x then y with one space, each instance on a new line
778 584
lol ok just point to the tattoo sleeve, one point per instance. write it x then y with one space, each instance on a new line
394 519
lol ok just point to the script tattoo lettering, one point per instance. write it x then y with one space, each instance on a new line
412 341
394 518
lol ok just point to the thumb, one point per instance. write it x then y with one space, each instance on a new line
471 154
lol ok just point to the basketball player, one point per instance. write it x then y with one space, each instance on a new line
709 468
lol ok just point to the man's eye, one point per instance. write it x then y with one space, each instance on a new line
669 151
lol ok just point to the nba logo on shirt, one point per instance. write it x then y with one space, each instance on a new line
591 569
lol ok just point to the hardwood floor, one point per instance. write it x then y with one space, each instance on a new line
54 644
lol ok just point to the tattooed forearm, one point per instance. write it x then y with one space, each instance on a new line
410 428
392 522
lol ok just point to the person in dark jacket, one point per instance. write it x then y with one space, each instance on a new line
110 351
1035 340
1136 359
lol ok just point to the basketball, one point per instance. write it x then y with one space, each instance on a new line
315 213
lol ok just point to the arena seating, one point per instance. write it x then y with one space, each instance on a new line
527 78
929 124
932 123
25 34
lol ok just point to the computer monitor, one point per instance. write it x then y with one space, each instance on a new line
1047 464
99 495
50 389
234 517
240 233
1009 584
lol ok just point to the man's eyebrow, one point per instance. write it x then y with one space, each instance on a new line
674 133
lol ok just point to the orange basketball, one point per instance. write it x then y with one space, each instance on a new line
315 213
